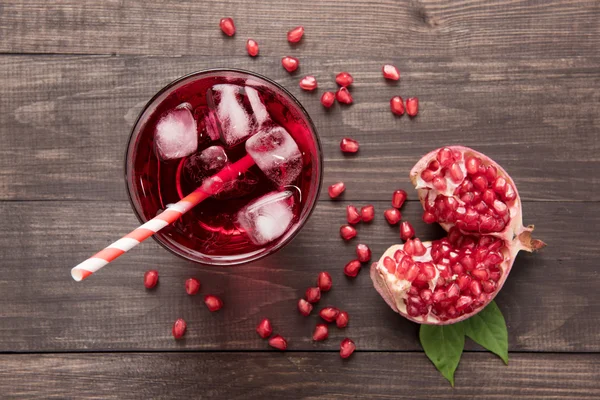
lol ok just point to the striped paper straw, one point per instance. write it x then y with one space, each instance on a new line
171 214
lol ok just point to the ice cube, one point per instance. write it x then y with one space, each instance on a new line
237 112
277 155
176 135
268 217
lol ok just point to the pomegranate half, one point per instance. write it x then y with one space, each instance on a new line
448 280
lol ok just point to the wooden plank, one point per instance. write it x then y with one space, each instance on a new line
296 375
550 300
65 121
434 27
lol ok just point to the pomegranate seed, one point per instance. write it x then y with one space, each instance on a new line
192 286
390 72
352 215
324 281
367 213
327 99
419 247
499 185
472 165
397 105
480 183
213 302
308 83
264 328
321 332
347 232
329 314
481 274
426 295
475 287
304 307
390 265
294 35
444 156
252 47
406 230
179 328
363 252
227 26
343 96
290 63
336 189
427 175
347 347
352 268
491 173
509 193
456 174
412 106
412 273
398 198
313 294
348 145
392 215
342 320
488 286
463 302
278 342
439 183
150 278
344 79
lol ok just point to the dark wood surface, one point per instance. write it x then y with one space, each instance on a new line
517 80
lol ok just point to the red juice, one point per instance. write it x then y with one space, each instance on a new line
251 216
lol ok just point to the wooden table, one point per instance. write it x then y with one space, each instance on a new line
517 80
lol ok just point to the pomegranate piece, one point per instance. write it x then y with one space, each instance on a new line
336 189
343 96
352 268
252 47
313 294
398 198
321 332
308 83
227 26
192 286
392 215
304 307
363 252
278 342
264 328
347 232
213 302
342 319
347 347
451 279
406 230
397 105
352 215
327 99
324 281
367 213
179 328
150 279
344 79
390 72
294 35
412 106
329 314
290 63
348 145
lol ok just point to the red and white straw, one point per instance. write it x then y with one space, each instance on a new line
167 217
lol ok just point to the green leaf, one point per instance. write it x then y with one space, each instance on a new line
443 344
488 328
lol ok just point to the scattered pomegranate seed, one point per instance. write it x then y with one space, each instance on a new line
406 230
313 294
336 189
308 83
252 47
363 252
278 342
213 302
179 328
344 79
321 332
347 232
264 328
294 35
367 213
343 96
324 281
397 105
192 286
342 320
398 198
390 72
327 99
348 145
392 215
150 278
352 268
352 215
304 307
290 63
412 106
347 347
227 26
329 314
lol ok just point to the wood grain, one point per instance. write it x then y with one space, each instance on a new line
296 375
